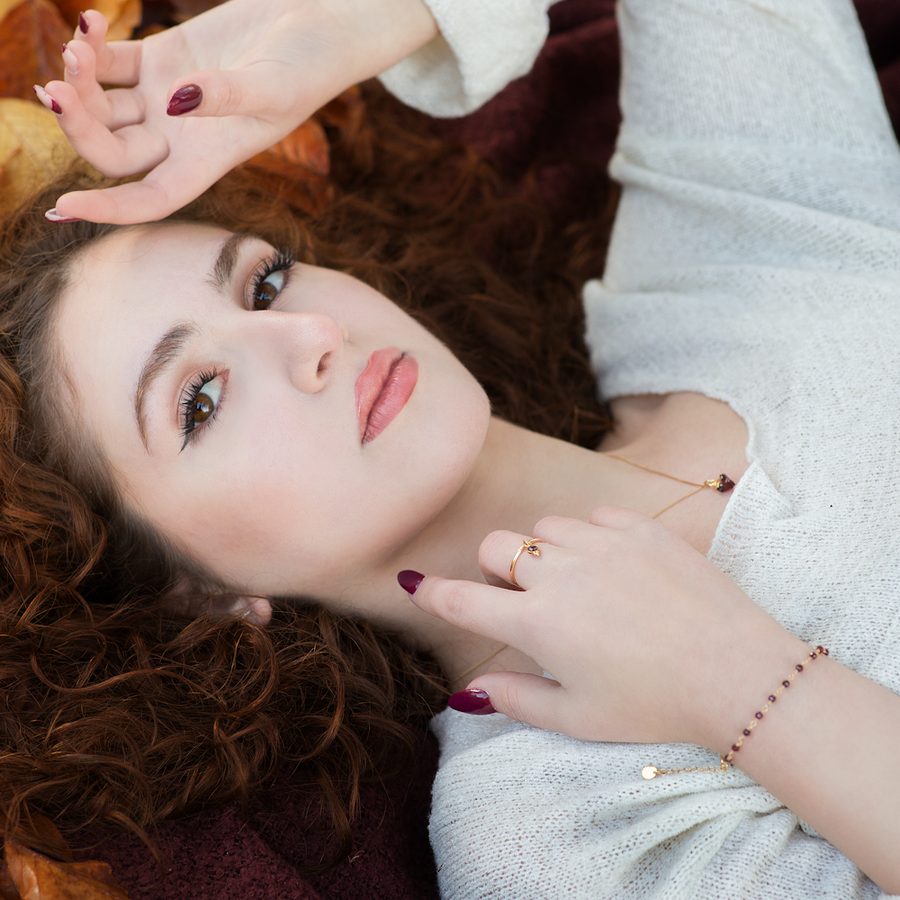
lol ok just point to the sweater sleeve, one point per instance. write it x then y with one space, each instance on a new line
741 118
482 46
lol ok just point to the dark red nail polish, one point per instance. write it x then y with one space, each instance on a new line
476 703
410 580
82 23
184 100
46 99
64 47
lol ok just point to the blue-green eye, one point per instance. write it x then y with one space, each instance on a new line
271 279
200 402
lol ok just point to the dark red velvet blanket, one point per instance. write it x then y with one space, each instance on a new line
565 109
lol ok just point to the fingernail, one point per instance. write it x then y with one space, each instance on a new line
53 216
476 703
184 100
70 60
47 100
410 580
83 23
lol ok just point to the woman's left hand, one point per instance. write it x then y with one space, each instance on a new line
646 639
190 103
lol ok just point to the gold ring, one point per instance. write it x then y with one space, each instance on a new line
529 545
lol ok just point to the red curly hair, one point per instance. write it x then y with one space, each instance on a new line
117 709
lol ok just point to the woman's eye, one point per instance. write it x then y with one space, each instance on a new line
270 279
200 403
268 289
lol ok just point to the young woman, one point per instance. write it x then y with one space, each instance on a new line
759 217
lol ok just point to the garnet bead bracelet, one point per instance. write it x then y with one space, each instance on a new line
649 772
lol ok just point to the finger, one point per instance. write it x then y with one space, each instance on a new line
171 185
92 27
112 108
526 698
506 557
490 611
618 517
127 151
118 62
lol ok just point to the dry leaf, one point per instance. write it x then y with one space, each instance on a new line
31 38
123 15
345 110
32 150
39 877
305 146
8 889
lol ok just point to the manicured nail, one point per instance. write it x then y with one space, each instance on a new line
47 100
184 100
410 580
476 703
70 60
53 216
83 23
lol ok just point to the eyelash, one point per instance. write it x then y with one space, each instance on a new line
189 427
280 261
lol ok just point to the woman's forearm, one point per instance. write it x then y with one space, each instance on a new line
827 750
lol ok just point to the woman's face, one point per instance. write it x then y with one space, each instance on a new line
287 427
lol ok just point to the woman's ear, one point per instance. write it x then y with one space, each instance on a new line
188 598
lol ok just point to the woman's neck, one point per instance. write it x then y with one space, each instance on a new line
521 476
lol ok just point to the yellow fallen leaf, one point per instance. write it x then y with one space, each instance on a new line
32 150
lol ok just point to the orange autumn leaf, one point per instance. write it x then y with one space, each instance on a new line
300 163
39 877
31 37
345 110
306 146
8 889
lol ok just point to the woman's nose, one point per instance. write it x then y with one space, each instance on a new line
311 344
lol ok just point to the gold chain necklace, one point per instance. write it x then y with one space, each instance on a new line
723 484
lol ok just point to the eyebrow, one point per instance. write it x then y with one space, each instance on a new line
172 342
166 349
223 269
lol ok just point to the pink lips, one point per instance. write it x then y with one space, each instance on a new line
383 389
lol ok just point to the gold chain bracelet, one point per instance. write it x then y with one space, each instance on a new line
725 762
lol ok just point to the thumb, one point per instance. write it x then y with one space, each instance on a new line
221 92
526 698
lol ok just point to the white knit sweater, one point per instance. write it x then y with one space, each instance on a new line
755 259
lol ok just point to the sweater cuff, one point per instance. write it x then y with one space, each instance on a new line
483 45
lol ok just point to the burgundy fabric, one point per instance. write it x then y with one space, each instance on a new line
564 115
224 853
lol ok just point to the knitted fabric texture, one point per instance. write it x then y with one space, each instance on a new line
755 259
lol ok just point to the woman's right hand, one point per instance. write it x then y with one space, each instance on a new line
261 66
